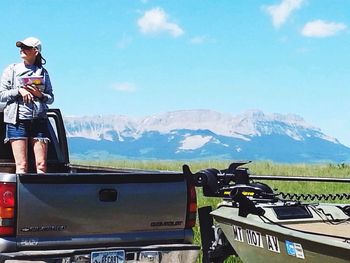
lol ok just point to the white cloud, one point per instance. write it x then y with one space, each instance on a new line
124 87
198 40
280 13
124 42
156 21
320 28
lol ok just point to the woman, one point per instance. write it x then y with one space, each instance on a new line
26 106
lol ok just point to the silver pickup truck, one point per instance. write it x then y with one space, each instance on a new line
91 214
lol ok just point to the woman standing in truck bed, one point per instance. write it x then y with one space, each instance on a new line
26 89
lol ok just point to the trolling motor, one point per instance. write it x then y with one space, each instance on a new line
230 183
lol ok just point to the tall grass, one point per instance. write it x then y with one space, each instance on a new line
257 168
155 164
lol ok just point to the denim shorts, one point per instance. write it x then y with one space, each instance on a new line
36 129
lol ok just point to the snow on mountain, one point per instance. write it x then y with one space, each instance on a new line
203 134
110 127
194 142
256 123
243 126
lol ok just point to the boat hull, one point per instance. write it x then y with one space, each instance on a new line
256 241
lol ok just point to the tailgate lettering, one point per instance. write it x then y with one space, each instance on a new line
43 228
166 223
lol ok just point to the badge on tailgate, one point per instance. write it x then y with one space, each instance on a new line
43 228
113 256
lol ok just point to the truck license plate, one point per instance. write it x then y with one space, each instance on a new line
113 256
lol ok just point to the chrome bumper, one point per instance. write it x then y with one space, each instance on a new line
180 253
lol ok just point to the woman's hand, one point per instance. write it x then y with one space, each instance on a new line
34 90
26 95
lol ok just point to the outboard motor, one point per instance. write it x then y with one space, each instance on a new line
227 183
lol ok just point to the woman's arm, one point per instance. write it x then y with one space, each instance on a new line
48 96
7 91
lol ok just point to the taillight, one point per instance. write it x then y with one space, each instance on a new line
191 206
7 208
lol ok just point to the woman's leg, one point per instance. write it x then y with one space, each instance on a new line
20 153
40 153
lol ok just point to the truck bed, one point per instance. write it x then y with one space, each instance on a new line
73 211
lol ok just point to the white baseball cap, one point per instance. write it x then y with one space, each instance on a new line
30 42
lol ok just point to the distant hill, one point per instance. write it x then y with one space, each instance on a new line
203 134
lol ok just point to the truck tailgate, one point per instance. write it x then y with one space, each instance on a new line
99 204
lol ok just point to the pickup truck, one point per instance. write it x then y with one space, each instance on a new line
76 213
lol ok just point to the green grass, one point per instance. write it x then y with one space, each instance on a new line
257 168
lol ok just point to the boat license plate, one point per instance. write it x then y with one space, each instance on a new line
113 256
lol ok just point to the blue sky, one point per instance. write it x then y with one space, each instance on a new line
144 57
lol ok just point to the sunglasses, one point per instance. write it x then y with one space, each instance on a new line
26 47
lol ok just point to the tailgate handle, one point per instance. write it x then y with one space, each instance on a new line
108 195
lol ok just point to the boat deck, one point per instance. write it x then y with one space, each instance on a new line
339 229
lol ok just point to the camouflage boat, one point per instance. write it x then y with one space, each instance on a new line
257 225
288 233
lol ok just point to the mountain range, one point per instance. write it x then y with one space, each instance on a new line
202 134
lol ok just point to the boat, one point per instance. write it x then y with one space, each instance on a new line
259 225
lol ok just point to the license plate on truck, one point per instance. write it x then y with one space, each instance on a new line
113 256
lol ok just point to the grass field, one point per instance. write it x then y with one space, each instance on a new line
258 168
